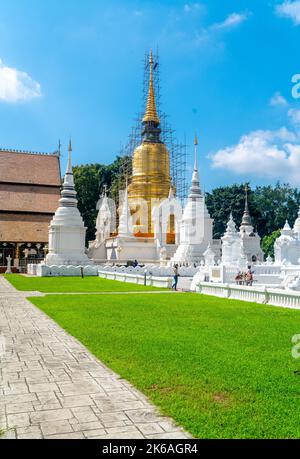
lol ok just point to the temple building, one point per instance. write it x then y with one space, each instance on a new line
29 193
153 227
149 186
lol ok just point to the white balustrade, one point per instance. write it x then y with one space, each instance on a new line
275 297
155 281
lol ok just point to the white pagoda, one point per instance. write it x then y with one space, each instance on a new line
67 230
196 227
249 238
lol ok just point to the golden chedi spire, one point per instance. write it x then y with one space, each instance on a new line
150 181
151 113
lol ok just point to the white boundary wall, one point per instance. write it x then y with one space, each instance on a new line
42 270
263 295
154 281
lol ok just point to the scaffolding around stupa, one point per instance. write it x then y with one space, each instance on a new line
177 150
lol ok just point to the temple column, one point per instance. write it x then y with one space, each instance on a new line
17 255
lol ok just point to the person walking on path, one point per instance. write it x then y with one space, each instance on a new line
175 278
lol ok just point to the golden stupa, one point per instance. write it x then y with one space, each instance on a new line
150 181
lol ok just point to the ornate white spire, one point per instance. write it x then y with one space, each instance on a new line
246 225
68 193
195 190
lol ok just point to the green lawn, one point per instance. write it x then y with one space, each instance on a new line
221 368
72 284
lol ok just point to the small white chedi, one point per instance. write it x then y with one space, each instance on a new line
250 240
104 220
287 245
67 230
231 245
196 226
66 255
66 245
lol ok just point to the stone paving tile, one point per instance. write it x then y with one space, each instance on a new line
50 415
150 428
135 434
25 407
84 414
52 387
9 435
141 416
72 435
43 387
56 427
84 426
94 433
35 436
18 420
31 430
168 435
73 401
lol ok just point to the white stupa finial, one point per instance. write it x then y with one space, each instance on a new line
195 190
69 164
195 153
68 193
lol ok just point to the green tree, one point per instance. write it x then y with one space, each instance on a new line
221 201
267 243
269 207
273 205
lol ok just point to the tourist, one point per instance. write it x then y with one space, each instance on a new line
175 278
135 263
249 278
239 278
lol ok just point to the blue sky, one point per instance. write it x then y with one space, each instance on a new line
75 68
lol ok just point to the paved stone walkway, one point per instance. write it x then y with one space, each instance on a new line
52 387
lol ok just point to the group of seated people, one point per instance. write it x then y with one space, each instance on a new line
244 278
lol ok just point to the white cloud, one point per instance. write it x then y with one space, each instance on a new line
263 154
231 21
192 7
17 86
278 100
290 9
208 34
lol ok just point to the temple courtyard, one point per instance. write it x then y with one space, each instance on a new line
106 359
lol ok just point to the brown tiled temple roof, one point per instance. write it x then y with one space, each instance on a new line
27 167
24 228
26 198
29 194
